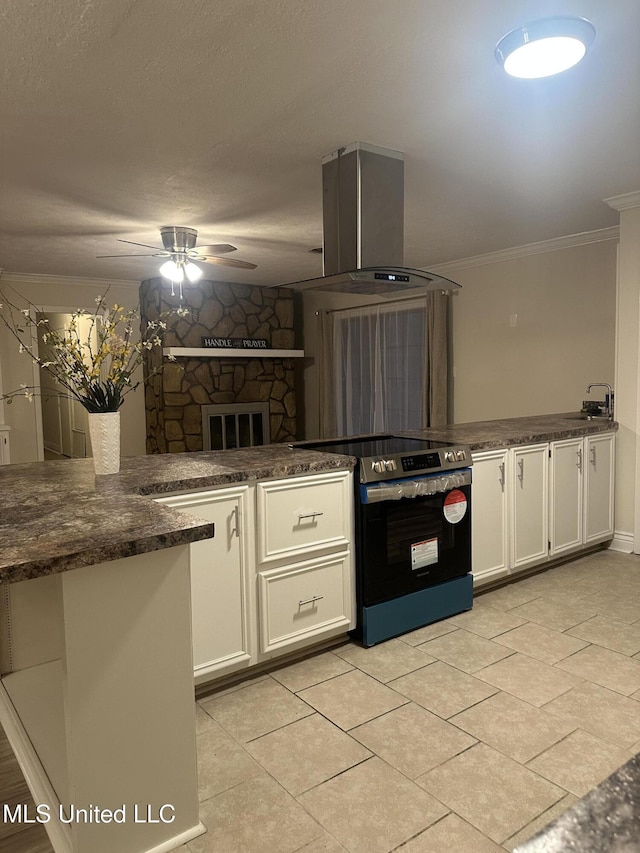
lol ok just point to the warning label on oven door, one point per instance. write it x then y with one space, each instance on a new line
455 506
424 553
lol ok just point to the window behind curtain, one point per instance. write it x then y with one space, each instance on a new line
379 369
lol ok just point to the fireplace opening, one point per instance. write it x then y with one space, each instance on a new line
225 427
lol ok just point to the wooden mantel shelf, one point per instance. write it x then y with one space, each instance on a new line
231 352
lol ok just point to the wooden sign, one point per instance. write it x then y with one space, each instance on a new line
234 343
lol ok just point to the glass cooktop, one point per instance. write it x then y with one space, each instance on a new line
379 446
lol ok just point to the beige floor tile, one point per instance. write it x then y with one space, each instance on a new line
579 762
255 710
532 680
372 808
609 633
541 643
254 817
222 763
352 699
451 835
513 727
204 721
313 670
602 666
429 632
479 785
621 604
486 621
387 660
307 753
536 825
412 739
324 844
466 651
604 713
507 597
558 615
442 689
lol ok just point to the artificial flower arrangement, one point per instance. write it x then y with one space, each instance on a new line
94 359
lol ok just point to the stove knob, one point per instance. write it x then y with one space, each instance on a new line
449 456
390 465
460 455
378 467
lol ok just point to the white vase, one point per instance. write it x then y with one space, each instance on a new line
104 430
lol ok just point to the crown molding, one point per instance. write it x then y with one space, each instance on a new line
17 278
623 202
553 245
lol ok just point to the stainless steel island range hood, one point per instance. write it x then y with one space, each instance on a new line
363 226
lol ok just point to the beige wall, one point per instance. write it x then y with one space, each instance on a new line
563 305
61 295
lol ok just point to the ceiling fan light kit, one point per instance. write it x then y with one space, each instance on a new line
179 247
545 47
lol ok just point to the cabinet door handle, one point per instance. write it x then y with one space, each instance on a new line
235 517
311 600
502 474
592 451
521 474
311 515
579 462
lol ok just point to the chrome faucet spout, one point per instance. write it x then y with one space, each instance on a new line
609 395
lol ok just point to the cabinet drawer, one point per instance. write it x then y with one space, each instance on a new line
303 515
304 601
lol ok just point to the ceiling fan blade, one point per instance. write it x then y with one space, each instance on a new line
141 255
146 246
228 262
216 249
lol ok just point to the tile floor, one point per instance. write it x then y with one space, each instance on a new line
462 737
465 736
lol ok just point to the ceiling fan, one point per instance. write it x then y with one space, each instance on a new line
179 247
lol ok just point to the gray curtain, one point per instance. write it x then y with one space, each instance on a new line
384 367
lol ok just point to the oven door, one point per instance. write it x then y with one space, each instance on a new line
413 533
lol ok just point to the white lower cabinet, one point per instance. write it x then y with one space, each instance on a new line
278 574
222 596
303 602
538 502
529 506
304 560
599 466
490 516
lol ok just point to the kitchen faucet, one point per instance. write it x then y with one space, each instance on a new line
608 398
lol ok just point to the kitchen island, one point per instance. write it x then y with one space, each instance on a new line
95 619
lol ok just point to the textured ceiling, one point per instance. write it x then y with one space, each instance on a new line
119 117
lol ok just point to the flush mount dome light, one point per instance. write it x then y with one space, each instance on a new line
544 47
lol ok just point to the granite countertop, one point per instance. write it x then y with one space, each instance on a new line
57 516
509 432
606 819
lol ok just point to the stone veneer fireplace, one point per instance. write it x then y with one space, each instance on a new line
176 392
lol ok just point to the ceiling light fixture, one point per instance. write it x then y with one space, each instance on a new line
546 47
177 268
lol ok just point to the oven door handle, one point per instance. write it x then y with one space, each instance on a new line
396 490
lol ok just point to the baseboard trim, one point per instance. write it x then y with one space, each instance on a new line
622 542
33 772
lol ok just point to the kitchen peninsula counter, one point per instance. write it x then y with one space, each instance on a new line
510 432
58 516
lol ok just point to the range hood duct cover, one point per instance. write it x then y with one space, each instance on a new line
363 226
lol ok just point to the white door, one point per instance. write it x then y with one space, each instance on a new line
529 506
566 464
599 468
489 517
221 599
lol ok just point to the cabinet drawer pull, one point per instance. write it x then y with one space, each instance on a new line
502 474
593 456
579 462
521 474
311 515
311 600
